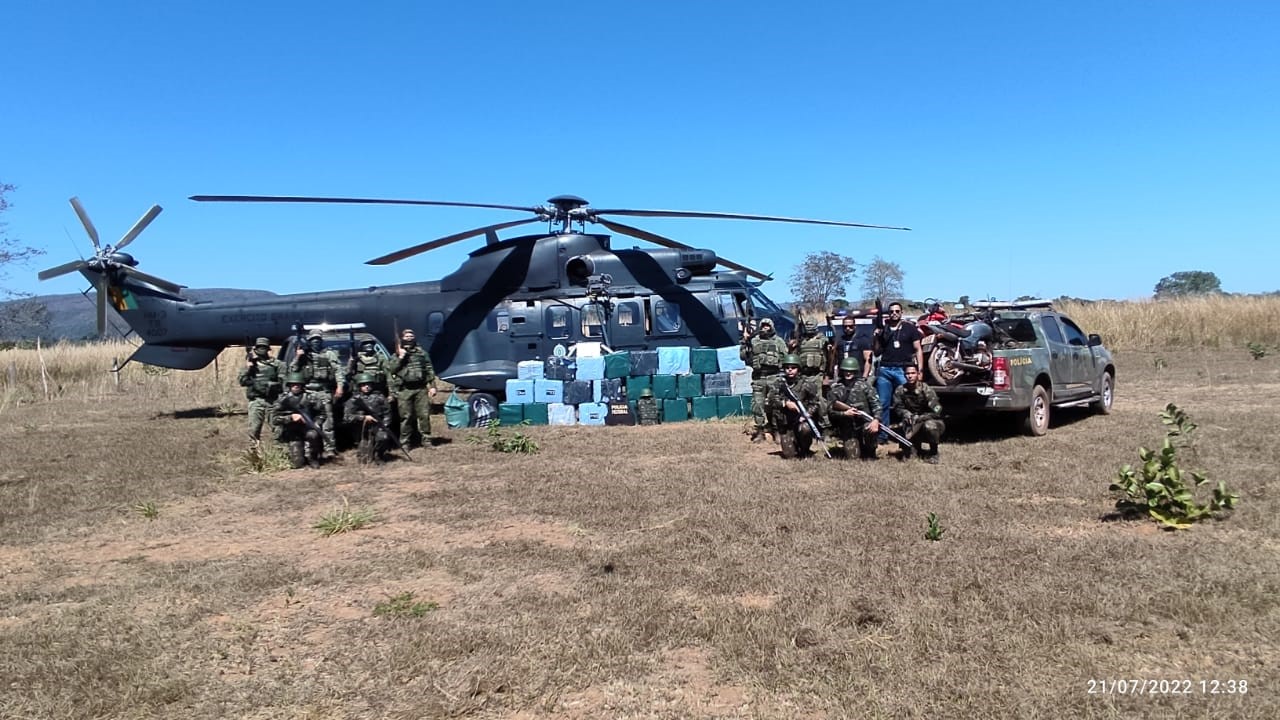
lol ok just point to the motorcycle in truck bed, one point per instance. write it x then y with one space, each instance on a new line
1041 360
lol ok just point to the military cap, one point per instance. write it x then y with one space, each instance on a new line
364 379
296 378
766 321
262 342
646 393
315 335
849 364
790 359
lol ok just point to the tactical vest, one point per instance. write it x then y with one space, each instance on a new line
266 381
320 371
766 354
372 365
813 358
647 411
414 370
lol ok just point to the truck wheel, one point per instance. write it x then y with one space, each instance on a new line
1037 422
1102 405
484 407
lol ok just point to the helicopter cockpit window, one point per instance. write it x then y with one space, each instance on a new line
762 305
666 317
592 321
558 322
626 314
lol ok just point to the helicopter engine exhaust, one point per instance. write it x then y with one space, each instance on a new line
579 268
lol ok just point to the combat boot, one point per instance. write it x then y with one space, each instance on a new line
758 435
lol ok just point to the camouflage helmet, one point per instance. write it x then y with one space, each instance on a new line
790 359
367 344
315 335
766 322
295 378
849 364
365 379
262 342
646 393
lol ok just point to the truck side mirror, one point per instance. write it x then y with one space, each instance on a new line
1095 339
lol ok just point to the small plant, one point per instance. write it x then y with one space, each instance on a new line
147 509
344 519
1257 350
403 605
1160 363
263 458
1159 488
516 443
932 528
1178 423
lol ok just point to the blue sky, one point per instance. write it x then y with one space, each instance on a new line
1041 148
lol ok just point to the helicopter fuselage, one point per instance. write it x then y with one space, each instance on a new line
524 298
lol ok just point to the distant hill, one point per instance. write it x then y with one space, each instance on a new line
71 316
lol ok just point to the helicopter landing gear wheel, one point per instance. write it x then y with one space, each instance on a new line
483 407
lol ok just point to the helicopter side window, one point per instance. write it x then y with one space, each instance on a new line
666 317
435 321
558 322
592 321
728 307
626 314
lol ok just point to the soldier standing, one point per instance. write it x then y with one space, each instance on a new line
368 414
325 376
413 379
764 353
261 380
812 350
367 361
298 416
794 434
853 393
647 408
916 407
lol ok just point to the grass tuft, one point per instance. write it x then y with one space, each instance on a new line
344 519
403 605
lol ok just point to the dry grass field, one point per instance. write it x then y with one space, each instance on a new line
665 572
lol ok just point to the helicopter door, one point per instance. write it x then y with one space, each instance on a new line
626 326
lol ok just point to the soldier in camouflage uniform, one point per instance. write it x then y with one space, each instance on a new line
812 350
647 411
919 415
261 379
794 433
412 378
851 429
763 353
299 416
367 361
325 376
368 414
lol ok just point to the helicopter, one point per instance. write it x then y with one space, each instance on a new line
521 298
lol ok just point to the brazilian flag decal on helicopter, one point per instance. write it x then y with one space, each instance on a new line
121 299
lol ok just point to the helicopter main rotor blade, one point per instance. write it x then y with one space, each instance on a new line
84 220
668 242
355 201
62 269
165 285
441 242
737 216
102 304
139 226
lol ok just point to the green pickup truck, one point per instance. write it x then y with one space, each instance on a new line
1040 360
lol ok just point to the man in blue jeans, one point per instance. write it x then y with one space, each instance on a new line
899 346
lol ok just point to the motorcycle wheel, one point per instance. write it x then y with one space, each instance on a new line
940 366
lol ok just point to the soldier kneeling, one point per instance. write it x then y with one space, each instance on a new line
368 413
789 398
298 415
919 414
855 411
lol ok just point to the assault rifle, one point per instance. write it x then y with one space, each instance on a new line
368 411
817 434
837 406
306 416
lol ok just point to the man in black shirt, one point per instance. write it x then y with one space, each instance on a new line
899 344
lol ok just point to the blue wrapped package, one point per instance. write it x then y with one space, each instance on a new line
644 362
520 391
592 413
559 368
529 370
729 359
577 392
609 390
548 391
590 368
673 361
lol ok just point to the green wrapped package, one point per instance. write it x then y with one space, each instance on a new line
617 365
675 410
729 406
688 386
536 413
705 407
664 386
637 384
510 414
703 361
